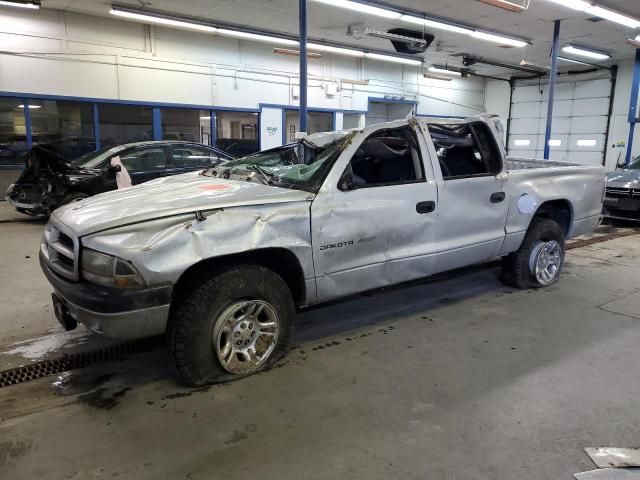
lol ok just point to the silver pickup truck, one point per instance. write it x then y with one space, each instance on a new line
219 261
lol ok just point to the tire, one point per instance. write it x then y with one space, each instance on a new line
519 268
220 310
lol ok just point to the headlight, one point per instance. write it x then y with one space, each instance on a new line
108 270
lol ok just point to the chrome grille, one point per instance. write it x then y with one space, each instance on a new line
60 248
619 192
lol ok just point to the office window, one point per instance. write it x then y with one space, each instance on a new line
186 124
124 124
13 134
64 127
237 132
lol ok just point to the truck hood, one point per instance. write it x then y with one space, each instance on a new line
623 178
168 196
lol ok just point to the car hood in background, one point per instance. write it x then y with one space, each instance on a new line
167 196
624 178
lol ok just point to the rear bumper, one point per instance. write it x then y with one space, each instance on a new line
112 312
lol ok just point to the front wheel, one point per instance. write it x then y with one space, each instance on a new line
236 323
539 260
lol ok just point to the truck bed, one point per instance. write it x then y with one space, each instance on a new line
518 163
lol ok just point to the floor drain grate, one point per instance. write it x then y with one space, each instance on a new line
65 363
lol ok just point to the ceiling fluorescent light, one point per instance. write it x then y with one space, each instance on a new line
522 143
570 60
507 5
499 39
143 17
434 24
579 5
32 6
555 143
31 107
362 8
590 8
583 52
587 143
389 58
441 78
614 16
444 71
255 37
338 50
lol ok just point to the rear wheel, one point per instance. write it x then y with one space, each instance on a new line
236 323
539 260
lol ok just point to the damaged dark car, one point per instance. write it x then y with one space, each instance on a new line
51 180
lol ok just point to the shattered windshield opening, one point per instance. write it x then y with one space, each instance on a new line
302 165
633 165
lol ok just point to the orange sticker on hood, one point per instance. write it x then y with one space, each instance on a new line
218 186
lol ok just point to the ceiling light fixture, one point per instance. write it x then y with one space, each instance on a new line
392 59
256 37
259 37
295 53
161 20
32 6
585 52
444 71
507 5
31 107
363 8
598 11
339 50
426 22
491 37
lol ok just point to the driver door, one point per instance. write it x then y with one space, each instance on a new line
373 221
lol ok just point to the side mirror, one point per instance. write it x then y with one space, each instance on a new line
347 182
114 168
621 164
442 152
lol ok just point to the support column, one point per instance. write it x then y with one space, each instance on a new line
552 87
96 125
157 123
633 106
303 66
27 123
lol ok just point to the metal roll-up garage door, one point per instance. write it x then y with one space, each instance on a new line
580 118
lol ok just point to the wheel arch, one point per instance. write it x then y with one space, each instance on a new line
280 260
560 211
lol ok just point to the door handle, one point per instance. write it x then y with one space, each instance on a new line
425 207
497 197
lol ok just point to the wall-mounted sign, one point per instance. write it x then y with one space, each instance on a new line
272 131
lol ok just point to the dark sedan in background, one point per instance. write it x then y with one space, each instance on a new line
622 198
50 180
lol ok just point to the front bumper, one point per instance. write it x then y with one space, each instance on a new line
622 207
21 205
113 312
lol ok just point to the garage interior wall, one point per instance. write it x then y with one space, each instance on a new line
66 54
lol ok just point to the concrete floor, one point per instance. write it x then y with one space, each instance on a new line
458 379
